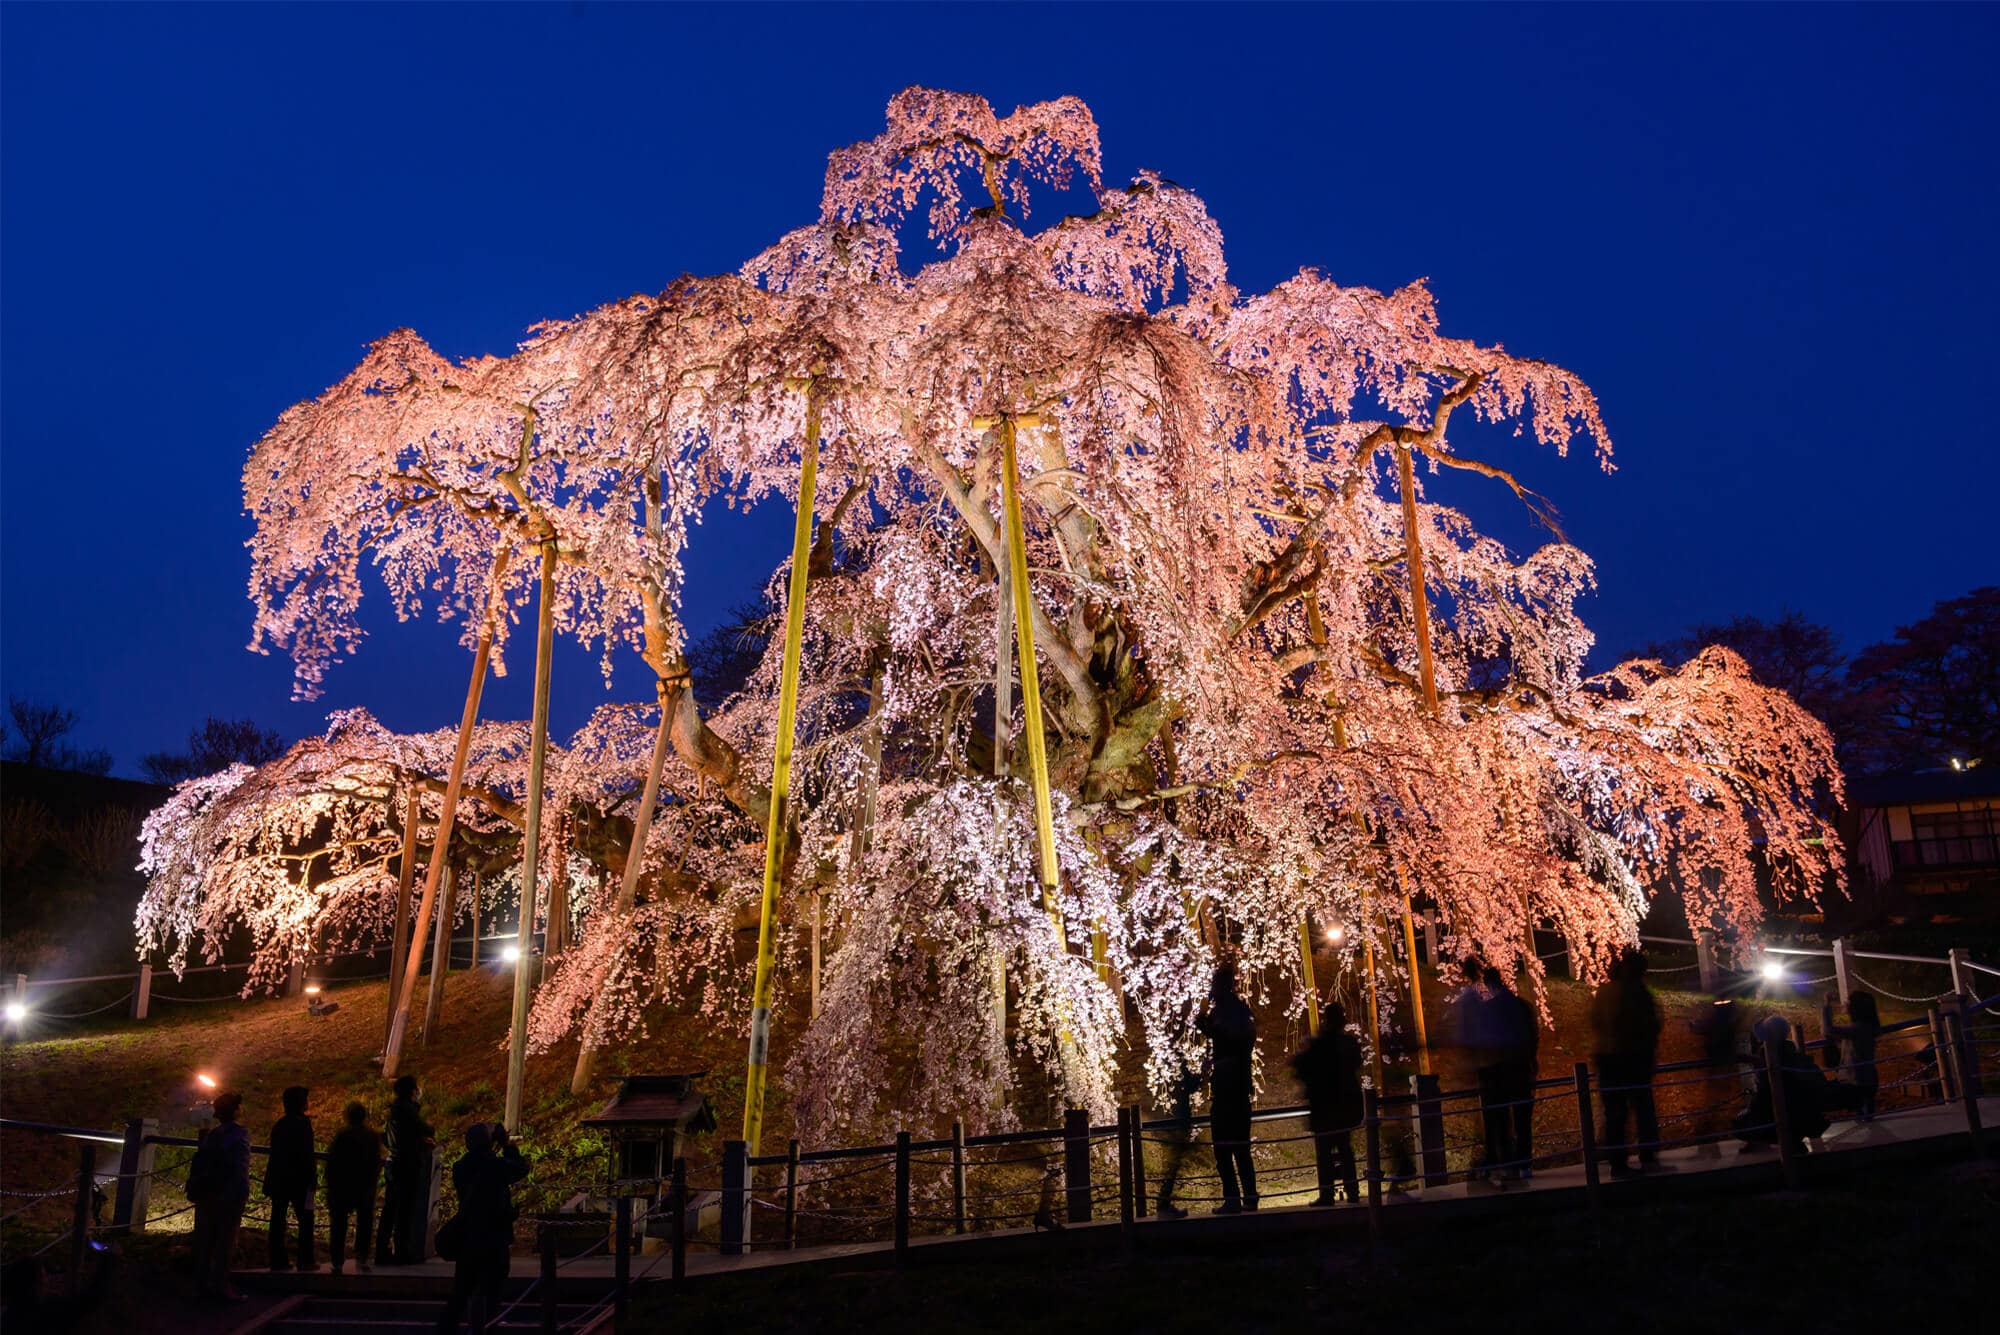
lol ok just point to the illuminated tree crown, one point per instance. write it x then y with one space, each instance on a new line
1236 716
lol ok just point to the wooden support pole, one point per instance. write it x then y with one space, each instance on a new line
441 933
1306 974
399 1019
406 877
635 858
473 963
1368 966
1139 1161
531 838
1430 1128
781 775
1416 978
142 993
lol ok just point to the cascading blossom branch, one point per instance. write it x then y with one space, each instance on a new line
1221 594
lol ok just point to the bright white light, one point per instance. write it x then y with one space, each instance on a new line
1774 972
206 1082
509 954
312 990
16 1012
1334 934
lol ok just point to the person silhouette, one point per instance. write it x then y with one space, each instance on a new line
1232 1034
1329 1066
483 1178
407 1186
353 1164
290 1175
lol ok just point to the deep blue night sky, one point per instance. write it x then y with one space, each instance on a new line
1762 234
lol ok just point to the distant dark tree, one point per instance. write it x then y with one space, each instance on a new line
1799 657
215 745
1931 695
722 660
38 734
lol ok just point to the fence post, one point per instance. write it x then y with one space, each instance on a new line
142 993
1372 1138
1431 937
902 1196
1961 972
551 1315
1704 959
1947 1086
1586 1127
1788 1151
677 1230
1125 1209
1076 1163
1430 1129
791 1193
79 1235
1843 976
622 1257
735 1196
1139 1188
957 1175
135 1175
1968 1084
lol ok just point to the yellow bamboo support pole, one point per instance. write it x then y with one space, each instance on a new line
531 839
1306 968
781 775
1031 690
1416 982
1420 607
1368 964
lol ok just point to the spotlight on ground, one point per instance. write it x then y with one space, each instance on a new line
205 1080
1773 971
510 954
17 1011
1335 935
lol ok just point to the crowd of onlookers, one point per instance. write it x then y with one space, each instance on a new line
358 1160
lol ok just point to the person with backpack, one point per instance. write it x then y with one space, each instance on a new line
1329 1066
483 1228
353 1164
290 1176
219 1188
407 1187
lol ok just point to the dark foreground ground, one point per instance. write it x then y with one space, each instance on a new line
1893 1249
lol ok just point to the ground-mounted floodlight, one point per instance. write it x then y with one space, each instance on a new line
1336 934
17 1012
1773 971
510 954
